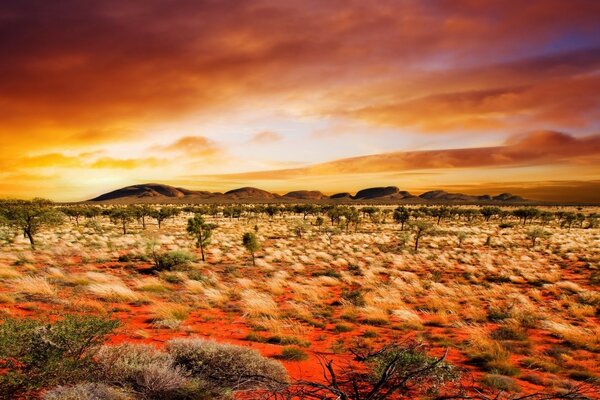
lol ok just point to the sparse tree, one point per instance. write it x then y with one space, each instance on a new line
489 212
537 233
420 229
202 232
122 216
250 243
330 232
163 213
30 216
401 216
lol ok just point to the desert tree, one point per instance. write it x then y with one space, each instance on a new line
300 229
30 216
537 233
202 232
304 209
74 212
120 216
489 211
401 216
163 213
526 213
330 232
567 218
440 213
250 243
91 212
140 212
461 236
420 229
319 221
385 213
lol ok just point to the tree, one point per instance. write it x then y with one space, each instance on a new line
489 212
420 229
141 212
250 242
30 216
163 213
537 233
330 232
122 216
74 212
201 230
401 216
526 213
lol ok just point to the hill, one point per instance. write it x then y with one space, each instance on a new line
161 193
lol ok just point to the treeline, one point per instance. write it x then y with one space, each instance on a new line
30 216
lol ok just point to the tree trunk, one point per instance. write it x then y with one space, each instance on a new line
202 251
253 261
124 228
30 237
417 237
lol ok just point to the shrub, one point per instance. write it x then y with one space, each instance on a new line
500 382
86 391
354 296
293 354
171 260
145 370
341 328
227 366
36 354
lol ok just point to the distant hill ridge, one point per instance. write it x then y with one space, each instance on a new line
160 193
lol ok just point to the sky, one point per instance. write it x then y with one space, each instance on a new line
462 95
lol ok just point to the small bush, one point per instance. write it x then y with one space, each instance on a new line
148 371
172 260
354 296
227 366
293 354
36 354
341 328
500 382
87 391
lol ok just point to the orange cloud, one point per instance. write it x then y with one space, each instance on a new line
544 147
265 137
195 146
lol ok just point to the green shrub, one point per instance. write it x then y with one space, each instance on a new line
172 260
293 354
37 354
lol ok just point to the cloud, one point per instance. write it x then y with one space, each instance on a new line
265 137
543 147
193 146
101 72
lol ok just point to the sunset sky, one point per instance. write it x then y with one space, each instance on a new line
463 95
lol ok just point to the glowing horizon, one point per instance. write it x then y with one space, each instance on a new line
477 97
